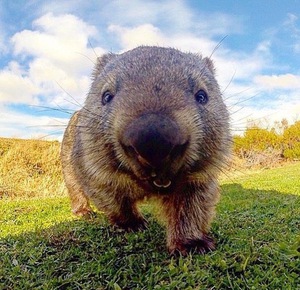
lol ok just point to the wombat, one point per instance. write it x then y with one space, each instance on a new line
153 125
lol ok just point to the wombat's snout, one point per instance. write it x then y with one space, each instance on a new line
154 139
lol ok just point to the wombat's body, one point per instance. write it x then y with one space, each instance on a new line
153 125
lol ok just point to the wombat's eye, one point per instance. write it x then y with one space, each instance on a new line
107 97
201 97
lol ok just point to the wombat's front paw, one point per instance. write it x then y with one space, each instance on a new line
84 213
200 246
132 225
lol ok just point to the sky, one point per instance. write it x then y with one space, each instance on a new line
48 50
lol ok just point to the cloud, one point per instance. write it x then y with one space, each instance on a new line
63 40
291 26
56 84
3 46
53 61
21 125
273 82
51 67
174 16
145 34
2 41
284 107
170 14
14 87
148 34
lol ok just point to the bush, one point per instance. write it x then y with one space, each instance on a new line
256 139
291 141
265 147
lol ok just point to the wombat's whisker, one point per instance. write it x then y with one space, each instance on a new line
227 86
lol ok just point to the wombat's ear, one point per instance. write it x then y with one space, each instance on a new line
209 64
101 62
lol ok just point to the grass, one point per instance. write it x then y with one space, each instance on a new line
42 246
30 168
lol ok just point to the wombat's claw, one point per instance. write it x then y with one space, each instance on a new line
84 213
133 225
90 215
200 246
203 246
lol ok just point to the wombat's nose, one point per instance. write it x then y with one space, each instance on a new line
154 138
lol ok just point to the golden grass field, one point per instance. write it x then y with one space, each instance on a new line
30 168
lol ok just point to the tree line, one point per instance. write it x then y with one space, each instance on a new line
281 141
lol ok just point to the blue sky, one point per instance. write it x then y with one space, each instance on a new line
48 49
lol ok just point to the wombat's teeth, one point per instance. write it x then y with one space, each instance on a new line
162 185
153 174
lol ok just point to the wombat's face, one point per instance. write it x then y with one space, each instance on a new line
157 114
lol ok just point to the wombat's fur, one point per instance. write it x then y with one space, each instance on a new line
153 125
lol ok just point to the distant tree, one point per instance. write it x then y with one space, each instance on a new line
261 139
281 140
291 141
280 126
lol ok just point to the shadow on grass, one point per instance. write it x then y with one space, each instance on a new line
257 234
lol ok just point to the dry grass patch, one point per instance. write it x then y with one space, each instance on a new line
30 168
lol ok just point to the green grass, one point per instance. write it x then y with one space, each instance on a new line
42 246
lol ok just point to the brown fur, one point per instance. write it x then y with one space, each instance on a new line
150 139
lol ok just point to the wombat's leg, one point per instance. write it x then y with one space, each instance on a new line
79 203
188 221
127 216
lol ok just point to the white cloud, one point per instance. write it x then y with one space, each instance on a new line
145 34
2 42
292 29
3 47
60 62
272 82
174 16
63 40
148 34
55 80
263 116
20 125
52 68
15 88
